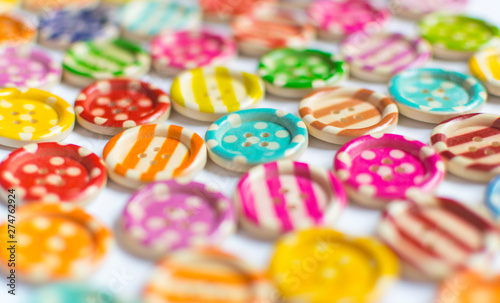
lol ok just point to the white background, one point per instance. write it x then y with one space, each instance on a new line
126 275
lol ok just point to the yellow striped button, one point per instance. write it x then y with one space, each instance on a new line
33 115
206 94
485 65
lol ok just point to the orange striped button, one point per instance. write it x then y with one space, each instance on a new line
207 276
469 287
340 114
14 30
54 242
154 152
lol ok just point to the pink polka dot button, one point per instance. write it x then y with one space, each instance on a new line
174 52
338 19
52 172
377 169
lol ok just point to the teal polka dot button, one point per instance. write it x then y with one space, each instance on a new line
296 73
433 95
250 137
73 293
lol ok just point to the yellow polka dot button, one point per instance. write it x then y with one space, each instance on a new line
33 115
325 266
54 242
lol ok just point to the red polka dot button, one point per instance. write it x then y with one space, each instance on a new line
52 172
109 107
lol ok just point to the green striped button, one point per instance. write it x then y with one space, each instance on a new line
106 59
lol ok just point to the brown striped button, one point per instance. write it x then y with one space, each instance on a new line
340 114
470 145
434 237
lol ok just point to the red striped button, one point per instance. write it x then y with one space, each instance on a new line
435 236
470 145
282 196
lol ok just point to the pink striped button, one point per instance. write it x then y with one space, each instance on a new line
379 57
278 197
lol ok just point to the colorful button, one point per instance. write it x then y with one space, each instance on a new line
378 58
469 286
296 73
206 276
493 197
279 197
174 52
340 114
377 169
434 237
338 19
77 293
307 265
417 9
254 136
222 10
52 172
33 115
24 67
166 216
55 242
15 30
259 32
111 106
208 93
456 37
154 152
39 6
434 95
142 20
86 62
59 29
485 65
469 145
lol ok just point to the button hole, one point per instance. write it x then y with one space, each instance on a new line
351 109
117 111
388 177
495 143
425 91
303 196
265 135
142 155
489 152
248 135
387 161
112 104
17 122
472 148
264 144
15 113
358 117
399 169
154 162
373 168
33 121
43 171
477 139
284 190
247 144
132 108
61 172
165 156
343 120
31 112
336 112
156 149
40 181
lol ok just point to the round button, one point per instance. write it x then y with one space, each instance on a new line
24 67
59 29
310 263
456 37
39 6
377 169
142 20
254 136
111 106
338 19
296 73
206 94
259 32
56 242
51 172
154 152
468 286
167 215
434 237
279 197
485 65
493 198
205 276
469 145
222 10
378 58
33 115
417 9
433 95
174 52
86 62
15 30
340 114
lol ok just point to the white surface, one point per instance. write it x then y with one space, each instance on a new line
126 275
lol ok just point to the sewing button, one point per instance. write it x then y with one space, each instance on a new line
254 136
485 65
377 169
15 30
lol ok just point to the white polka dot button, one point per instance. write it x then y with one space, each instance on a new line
249 137
377 169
